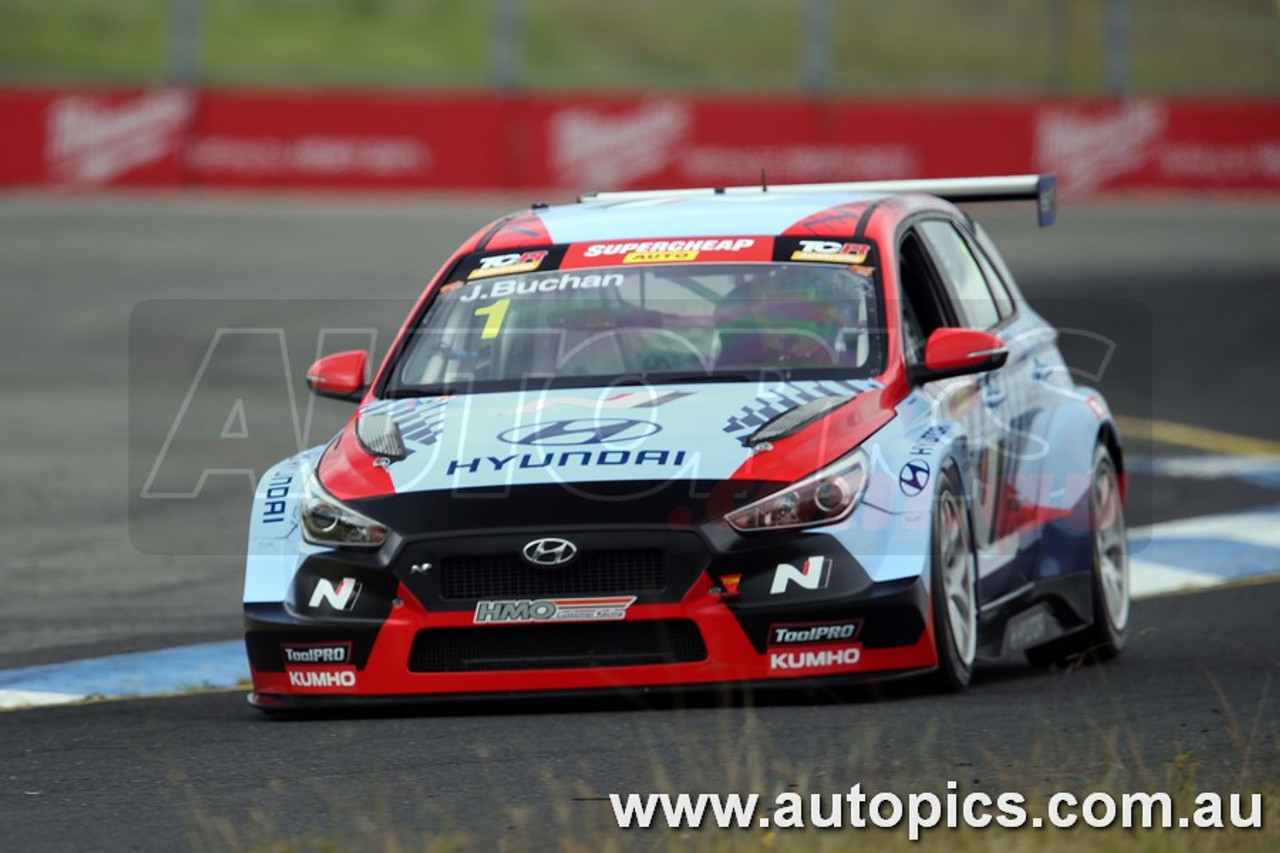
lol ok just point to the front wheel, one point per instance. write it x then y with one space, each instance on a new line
954 583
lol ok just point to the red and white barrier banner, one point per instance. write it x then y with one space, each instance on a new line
385 140
366 141
1151 144
94 139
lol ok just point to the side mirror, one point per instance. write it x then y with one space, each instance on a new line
340 376
959 352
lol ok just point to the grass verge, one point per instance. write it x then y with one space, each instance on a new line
970 46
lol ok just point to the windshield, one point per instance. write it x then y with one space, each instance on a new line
655 323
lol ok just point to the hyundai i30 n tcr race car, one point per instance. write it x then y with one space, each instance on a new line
697 437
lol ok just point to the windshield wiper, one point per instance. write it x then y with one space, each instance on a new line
426 391
686 378
577 382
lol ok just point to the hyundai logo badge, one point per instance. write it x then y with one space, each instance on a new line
549 552
913 477
582 431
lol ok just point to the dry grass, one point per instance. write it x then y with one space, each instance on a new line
569 815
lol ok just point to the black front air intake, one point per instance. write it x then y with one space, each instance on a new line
467 578
556 646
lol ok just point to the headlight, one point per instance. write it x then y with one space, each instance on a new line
327 521
822 498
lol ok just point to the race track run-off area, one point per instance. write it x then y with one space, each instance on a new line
104 604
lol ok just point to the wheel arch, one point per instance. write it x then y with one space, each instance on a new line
1109 437
1063 563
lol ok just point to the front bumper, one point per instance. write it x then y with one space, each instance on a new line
461 616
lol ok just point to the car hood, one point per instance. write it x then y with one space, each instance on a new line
591 435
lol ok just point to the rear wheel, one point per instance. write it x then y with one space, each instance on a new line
1105 638
954 576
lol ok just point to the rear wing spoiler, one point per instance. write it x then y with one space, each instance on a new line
1043 189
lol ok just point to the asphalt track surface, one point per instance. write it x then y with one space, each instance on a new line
1185 291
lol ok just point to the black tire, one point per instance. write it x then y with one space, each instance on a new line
955 642
1105 637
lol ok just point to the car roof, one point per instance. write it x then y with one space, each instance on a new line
697 216
832 210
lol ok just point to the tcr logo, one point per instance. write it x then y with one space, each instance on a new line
855 253
500 261
513 263
815 575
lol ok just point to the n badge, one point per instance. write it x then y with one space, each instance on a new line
339 597
814 575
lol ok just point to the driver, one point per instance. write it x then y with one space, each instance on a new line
787 317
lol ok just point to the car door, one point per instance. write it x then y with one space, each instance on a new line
1028 340
992 401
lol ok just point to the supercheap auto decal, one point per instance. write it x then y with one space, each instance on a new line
676 250
494 275
498 274
672 250
613 253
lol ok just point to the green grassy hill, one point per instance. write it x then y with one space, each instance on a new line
877 46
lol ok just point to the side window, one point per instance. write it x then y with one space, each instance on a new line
962 272
1004 303
913 336
922 309
988 248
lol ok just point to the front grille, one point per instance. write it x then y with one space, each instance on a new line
593 573
563 646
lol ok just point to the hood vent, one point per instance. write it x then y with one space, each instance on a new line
380 436
793 420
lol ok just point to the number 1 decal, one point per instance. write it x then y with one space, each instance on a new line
494 315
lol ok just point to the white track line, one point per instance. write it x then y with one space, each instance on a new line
32 698
1147 580
1254 528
